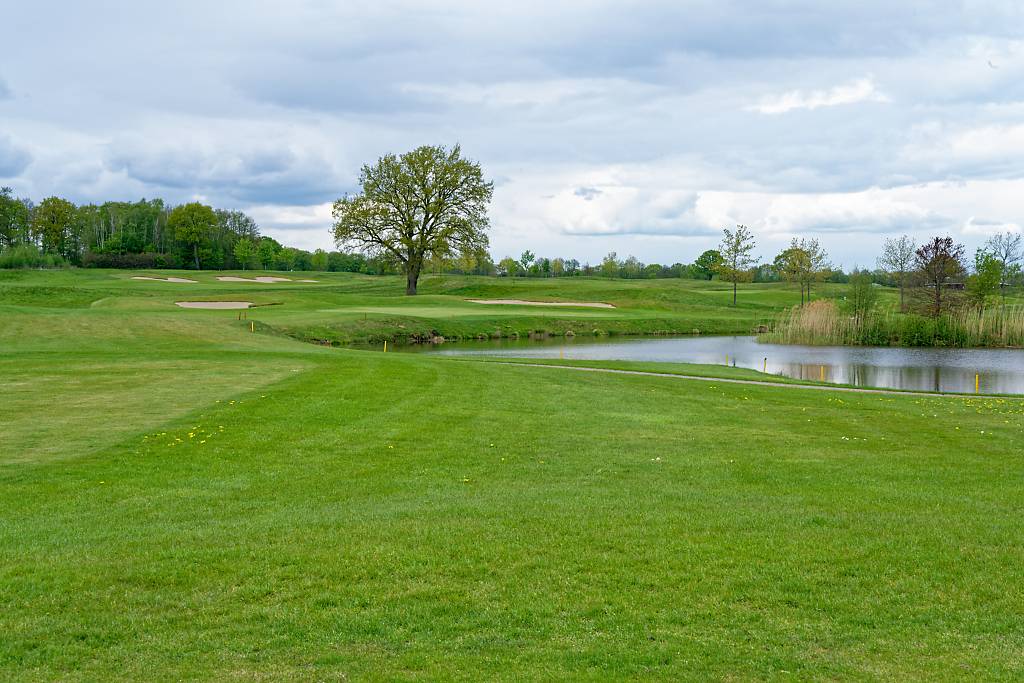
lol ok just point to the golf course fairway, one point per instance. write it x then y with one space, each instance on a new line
194 494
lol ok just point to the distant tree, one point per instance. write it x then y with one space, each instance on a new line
526 260
791 264
319 260
286 258
508 266
983 284
53 225
632 267
936 263
766 272
192 224
14 219
245 251
266 252
238 223
803 262
1008 249
338 262
544 267
818 266
736 259
557 267
862 296
428 201
610 265
898 254
572 267
707 264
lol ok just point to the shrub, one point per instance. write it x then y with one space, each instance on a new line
143 261
29 256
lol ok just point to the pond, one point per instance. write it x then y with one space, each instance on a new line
922 369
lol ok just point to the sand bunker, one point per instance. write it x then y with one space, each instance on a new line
214 304
164 279
520 302
266 280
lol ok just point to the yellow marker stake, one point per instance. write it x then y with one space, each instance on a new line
822 373
252 326
976 382
727 359
765 369
385 346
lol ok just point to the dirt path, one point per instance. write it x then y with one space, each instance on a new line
763 383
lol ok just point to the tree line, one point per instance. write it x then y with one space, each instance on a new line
426 211
151 234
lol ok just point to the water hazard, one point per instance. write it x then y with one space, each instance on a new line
922 369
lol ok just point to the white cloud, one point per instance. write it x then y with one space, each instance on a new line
860 90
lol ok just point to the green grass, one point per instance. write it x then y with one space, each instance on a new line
184 499
345 308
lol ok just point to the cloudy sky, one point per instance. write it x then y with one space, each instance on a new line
641 127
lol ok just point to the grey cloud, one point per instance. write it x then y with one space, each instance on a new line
987 222
14 158
625 230
267 174
888 224
289 104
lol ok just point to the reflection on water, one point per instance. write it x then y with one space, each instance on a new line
953 370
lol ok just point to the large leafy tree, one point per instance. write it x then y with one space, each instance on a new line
193 224
428 202
53 224
736 262
938 263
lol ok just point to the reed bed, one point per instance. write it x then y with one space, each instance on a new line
824 323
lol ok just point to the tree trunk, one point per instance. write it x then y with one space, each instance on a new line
412 276
734 292
195 252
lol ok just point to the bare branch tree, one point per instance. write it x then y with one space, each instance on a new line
897 258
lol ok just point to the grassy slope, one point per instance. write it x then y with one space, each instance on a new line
345 308
293 512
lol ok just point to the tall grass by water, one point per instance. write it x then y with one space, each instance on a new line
823 322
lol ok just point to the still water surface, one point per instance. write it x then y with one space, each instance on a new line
999 370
